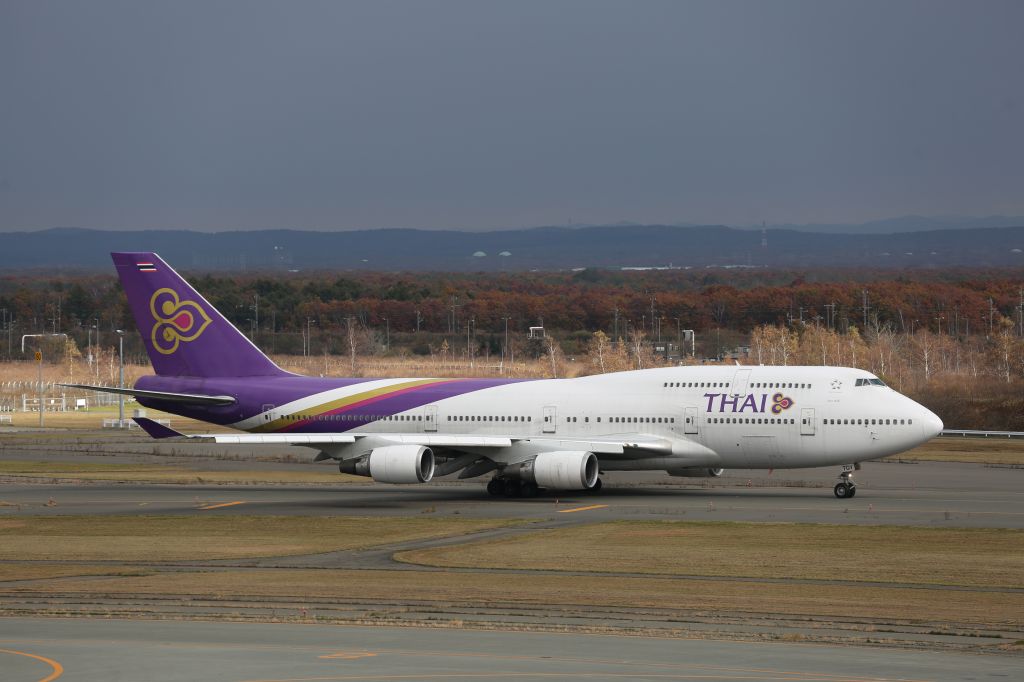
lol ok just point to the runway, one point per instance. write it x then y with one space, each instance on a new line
922 494
34 650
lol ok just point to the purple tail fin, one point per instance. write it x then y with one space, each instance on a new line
183 333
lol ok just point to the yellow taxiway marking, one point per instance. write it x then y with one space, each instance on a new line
223 504
593 506
58 669
349 655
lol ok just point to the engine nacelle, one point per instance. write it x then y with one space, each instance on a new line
393 464
563 470
696 472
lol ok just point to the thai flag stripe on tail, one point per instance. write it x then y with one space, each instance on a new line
146 267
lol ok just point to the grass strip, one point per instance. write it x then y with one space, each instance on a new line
26 571
484 589
201 537
888 554
1003 451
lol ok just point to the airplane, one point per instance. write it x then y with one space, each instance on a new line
529 434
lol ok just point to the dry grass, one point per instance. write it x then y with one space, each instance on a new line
1008 451
179 538
888 554
145 473
484 589
47 571
93 419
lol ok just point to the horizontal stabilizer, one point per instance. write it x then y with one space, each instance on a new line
156 429
191 398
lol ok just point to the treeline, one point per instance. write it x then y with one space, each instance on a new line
660 303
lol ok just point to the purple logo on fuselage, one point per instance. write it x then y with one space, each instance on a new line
749 403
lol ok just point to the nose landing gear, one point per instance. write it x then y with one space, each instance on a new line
846 487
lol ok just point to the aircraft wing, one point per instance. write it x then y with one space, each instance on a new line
464 451
158 430
605 445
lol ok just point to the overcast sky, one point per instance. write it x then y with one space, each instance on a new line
480 115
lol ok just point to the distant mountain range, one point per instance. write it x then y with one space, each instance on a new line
909 223
542 248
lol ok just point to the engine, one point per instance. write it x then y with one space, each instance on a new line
563 470
696 472
393 464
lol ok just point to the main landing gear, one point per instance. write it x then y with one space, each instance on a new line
514 487
846 487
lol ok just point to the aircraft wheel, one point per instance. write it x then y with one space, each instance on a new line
851 490
495 487
842 490
528 489
510 487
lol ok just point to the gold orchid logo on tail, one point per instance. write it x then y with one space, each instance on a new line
176 320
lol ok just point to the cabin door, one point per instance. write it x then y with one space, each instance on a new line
550 418
740 382
807 421
430 418
689 420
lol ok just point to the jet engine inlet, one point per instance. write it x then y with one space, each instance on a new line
562 470
393 464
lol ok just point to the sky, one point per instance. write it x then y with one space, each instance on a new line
484 115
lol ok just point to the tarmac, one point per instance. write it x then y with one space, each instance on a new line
489 644
919 494
42 650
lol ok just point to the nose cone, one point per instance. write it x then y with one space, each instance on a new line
931 425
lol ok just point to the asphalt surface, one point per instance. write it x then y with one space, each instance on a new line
920 494
923 494
34 650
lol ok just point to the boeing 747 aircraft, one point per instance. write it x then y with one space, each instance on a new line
527 434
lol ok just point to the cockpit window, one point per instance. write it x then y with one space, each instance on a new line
870 382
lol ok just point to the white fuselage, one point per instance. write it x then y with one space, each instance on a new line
743 416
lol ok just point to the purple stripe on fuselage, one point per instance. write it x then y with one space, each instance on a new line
253 393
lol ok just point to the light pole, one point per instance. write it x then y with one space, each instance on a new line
96 326
504 349
256 314
309 338
39 364
120 370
